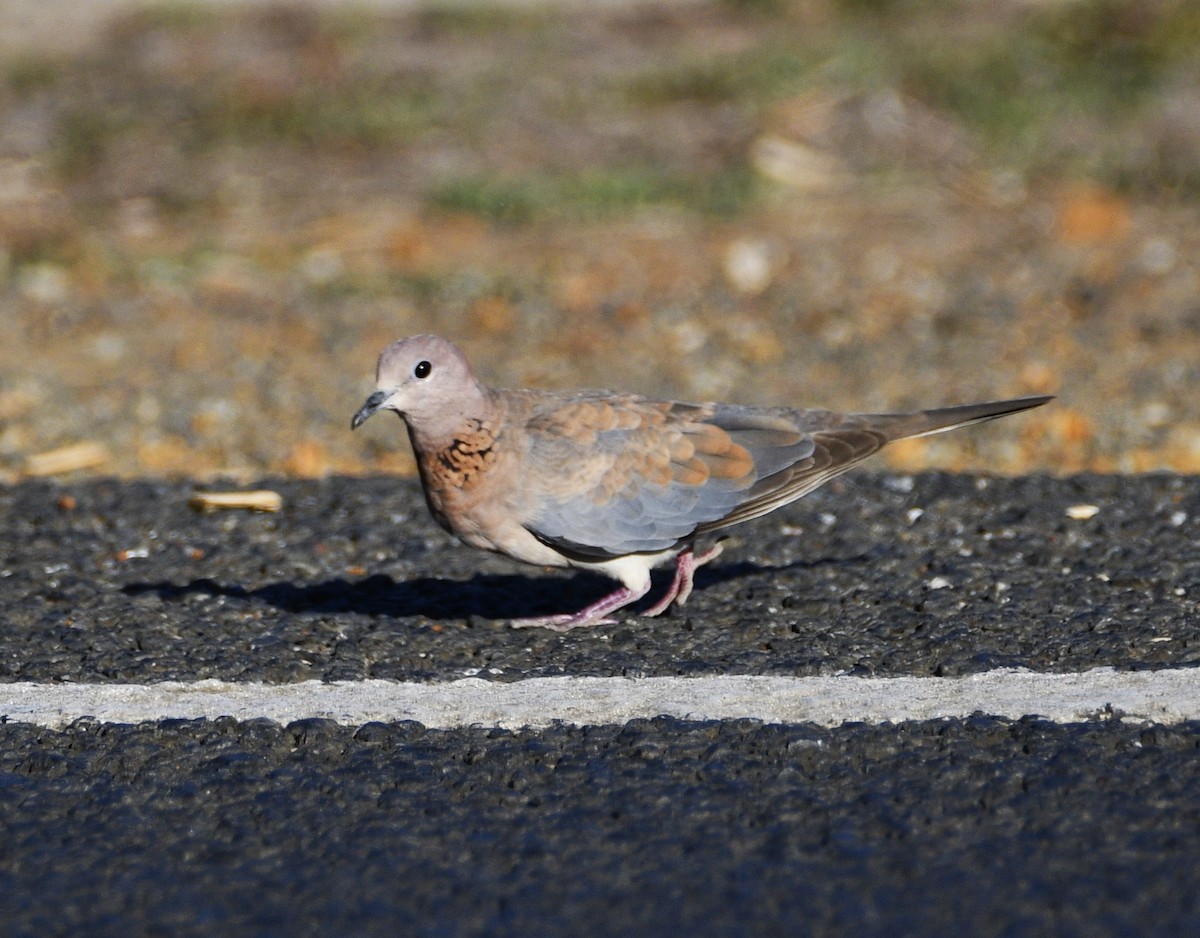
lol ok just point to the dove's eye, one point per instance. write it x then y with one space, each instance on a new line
422 370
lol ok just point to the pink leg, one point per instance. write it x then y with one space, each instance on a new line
681 587
593 615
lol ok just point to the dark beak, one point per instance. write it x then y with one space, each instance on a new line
373 404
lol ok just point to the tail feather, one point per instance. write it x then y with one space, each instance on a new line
941 419
840 442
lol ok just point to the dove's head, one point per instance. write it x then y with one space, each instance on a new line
427 381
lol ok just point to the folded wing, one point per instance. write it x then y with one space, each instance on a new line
629 475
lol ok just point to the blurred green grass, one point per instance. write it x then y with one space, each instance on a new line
1059 87
594 194
1103 63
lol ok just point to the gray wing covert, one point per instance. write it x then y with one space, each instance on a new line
626 475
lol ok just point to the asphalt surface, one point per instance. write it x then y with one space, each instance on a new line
980 825
874 574
975 827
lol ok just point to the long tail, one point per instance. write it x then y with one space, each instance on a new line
841 441
941 419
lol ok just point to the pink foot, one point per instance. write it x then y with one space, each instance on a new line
681 587
595 614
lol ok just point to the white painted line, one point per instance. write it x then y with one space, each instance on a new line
1169 696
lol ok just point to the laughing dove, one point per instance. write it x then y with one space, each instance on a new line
615 482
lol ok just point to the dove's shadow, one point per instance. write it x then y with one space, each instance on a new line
489 596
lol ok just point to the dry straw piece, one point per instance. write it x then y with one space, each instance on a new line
86 455
258 500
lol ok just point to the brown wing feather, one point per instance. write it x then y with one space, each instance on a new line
835 452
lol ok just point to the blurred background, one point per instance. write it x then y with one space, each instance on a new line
214 215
